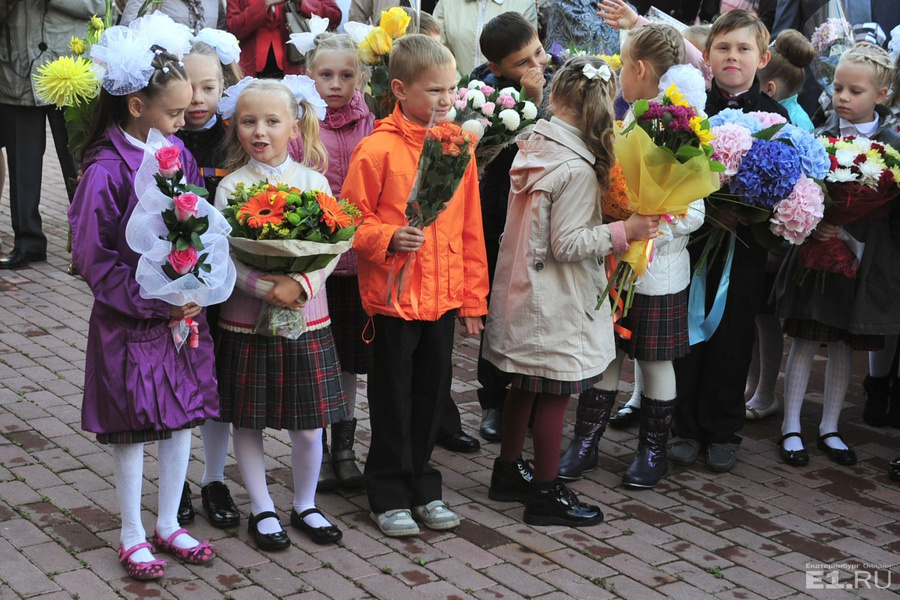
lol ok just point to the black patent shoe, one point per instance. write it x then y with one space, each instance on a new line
459 442
220 509
553 503
511 480
894 470
842 457
19 259
267 541
491 427
626 417
186 506
320 535
795 458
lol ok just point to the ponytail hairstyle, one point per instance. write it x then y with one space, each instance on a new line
875 57
314 153
335 42
112 109
591 102
659 45
791 54
229 74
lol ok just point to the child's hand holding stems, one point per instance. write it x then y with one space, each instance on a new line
642 227
287 293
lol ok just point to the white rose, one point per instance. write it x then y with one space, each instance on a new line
510 119
474 84
476 97
473 126
529 110
510 91
451 114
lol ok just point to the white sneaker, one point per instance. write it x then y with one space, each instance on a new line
395 523
436 515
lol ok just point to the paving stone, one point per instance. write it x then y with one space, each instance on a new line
518 580
23 577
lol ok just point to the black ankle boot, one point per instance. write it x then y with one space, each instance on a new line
342 455
511 480
591 418
327 479
553 503
650 465
875 411
894 410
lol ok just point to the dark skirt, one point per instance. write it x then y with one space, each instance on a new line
807 329
279 383
348 320
553 387
143 436
659 327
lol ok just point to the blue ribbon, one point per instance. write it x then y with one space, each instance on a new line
701 326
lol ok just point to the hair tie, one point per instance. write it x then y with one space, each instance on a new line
165 69
592 72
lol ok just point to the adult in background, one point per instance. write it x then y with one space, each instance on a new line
196 14
32 33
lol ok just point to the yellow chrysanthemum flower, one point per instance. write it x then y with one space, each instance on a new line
394 22
66 81
703 133
77 46
96 24
675 96
613 60
376 44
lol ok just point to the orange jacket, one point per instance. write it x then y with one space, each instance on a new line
449 271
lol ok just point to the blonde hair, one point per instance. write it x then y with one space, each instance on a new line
412 55
228 74
696 35
873 56
791 54
657 44
314 153
591 100
331 42
739 19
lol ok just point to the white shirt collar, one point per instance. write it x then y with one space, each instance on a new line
270 171
859 129
136 142
210 123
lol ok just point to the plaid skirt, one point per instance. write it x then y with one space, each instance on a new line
807 329
553 387
279 383
140 437
659 327
348 319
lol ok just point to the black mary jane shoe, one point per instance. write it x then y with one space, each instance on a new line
267 541
186 512
626 417
795 458
894 470
842 457
320 535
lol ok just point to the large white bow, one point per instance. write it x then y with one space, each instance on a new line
603 72
307 41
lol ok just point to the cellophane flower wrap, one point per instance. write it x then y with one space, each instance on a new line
181 239
667 163
278 228
862 179
495 116
375 52
830 40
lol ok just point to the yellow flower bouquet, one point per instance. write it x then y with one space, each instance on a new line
375 52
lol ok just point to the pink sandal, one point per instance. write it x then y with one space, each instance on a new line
198 555
142 571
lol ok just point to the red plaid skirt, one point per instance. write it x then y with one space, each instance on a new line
807 329
553 387
659 327
279 383
348 319
140 437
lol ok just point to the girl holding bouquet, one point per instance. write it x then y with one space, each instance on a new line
551 257
138 388
275 381
853 310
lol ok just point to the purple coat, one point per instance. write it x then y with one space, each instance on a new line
133 377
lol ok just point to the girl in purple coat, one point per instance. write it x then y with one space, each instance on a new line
138 388
333 63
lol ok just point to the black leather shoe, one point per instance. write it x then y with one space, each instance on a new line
320 535
491 424
220 509
186 507
459 442
19 259
894 471
267 541
511 480
625 417
795 458
553 503
842 457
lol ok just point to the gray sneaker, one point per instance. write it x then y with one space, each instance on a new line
721 458
436 515
395 523
683 451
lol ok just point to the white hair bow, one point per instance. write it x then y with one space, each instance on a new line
223 42
304 89
307 41
603 72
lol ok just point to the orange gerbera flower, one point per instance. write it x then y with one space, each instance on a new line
333 213
261 209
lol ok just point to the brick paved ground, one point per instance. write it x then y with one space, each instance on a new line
752 533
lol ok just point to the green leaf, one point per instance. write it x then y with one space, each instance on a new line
202 192
685 153
195 241
182 244
768 133
640 107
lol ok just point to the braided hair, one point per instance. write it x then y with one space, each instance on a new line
874 56
659 45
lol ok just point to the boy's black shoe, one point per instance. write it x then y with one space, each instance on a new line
553 503
459 442
186 507
220 509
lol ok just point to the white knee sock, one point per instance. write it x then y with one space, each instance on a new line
659 379
880 360
771 349
128 467
837 380
635 400
349 383
306 460
215 436
174 454
796 378
248 450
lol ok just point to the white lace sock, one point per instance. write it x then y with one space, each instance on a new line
635 400
770 339
306 460
248 450
128 467
659 379
837 381
215 436
174 454
796 378
880 360
350 383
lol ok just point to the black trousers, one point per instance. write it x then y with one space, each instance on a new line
409 381
25 135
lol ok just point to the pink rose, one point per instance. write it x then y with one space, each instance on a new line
183 261
488 109
506 101
461 93
169 162
460 104
186 206
487 90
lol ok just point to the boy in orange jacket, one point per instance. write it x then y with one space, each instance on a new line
412 370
